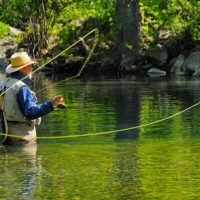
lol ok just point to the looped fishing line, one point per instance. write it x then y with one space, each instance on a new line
80 71
67 49
112 131
96 37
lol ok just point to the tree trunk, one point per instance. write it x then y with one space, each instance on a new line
128 30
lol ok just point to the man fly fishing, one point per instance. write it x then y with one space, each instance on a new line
20 107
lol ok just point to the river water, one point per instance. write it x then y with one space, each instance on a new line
155 161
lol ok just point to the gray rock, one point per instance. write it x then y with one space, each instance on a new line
6 45
3 62
156 71
178 66
196 73
15 31
192 63
160 54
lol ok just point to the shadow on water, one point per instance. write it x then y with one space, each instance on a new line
27 150
19 171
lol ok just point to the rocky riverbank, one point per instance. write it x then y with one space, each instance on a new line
184 64
158 61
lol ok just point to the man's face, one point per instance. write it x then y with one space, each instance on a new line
27 70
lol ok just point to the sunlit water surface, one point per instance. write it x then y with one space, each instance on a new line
159 161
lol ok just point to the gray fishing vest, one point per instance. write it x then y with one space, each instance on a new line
11 106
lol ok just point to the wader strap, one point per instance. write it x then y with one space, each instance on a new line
3 121
3 127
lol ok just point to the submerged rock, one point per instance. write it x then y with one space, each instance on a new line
156 72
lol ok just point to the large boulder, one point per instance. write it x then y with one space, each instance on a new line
192 63
178 67
159 54
196 73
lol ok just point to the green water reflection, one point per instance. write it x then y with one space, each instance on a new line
160 161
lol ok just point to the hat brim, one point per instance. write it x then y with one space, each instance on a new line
10 69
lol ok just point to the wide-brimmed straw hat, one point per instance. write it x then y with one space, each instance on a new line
18 61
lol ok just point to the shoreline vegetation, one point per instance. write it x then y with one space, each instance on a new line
136 37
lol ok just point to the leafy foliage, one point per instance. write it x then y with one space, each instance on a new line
173 16
81 16
68 19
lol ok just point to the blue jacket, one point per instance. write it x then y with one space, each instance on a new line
27 102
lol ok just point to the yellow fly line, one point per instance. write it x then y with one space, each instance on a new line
91 51
109 132
95 40
96 32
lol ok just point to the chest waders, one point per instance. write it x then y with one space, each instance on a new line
3 121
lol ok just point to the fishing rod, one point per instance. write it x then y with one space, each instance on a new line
96 31
81 39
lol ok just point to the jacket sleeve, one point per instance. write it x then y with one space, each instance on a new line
28 104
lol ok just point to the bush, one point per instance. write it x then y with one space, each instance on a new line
4 31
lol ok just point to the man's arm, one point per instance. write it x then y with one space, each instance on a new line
28 106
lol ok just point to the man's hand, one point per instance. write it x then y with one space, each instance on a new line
56 100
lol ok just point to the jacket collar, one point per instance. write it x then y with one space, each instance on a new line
20 76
